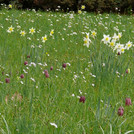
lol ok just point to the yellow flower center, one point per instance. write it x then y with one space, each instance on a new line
32 30
10 29
107 38
85 41
79 11
45 38
93 33
129 45
122 50
111 44
52 32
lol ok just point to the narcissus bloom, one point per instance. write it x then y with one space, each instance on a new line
53 124
22 33
79 11
106 39
52 32
93 33
44 38
128 45
83 7
32 30
10 29
10 6
119 35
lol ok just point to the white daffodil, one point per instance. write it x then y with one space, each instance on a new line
106 39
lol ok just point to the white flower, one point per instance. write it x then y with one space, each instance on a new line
119 35
44 38
32 30
106 39
22 33
115 37
86 41
128 45
32 79
53 124
10 29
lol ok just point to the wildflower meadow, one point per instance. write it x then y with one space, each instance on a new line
66 73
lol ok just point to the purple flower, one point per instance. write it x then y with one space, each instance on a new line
28 56
22 76
82 99
64 65
26 62
120 111
128 102
47 75
45 71
51 68
7 80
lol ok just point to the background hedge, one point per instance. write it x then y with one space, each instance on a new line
123 6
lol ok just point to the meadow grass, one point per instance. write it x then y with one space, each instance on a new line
30 104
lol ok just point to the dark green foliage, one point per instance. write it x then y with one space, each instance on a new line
123 6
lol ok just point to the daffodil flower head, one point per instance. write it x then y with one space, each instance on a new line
106 39
79 11
10 6
93 33
10 29
32 30
128 45
83 7
119 35
22 33
52 32
44 38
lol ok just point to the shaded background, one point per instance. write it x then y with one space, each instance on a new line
122 6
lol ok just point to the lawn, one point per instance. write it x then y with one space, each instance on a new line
66 73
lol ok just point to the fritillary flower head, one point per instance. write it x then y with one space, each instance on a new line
7 80
82 99
128 102
64 65
120 111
